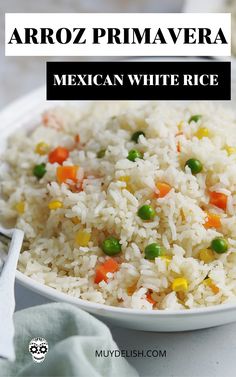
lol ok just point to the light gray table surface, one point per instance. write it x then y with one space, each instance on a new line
203 353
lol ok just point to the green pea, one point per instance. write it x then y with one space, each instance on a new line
194 165
136 135
195 118
39 170
133 154
111 246
101 153
219 245
153 251
146 212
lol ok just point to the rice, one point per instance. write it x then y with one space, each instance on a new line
104 203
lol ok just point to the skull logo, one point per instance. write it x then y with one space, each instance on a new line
38 347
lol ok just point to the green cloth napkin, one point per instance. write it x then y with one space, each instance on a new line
73 336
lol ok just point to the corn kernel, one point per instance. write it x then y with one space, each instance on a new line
20 207
166 258
126 179
230 150
180 125
129 188
180 285
41 148
206 255
75 220
55 204
202 132
82 238
209 283
182 214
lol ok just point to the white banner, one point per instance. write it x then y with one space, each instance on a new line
118 34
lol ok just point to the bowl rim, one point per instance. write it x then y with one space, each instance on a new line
98 308
33 103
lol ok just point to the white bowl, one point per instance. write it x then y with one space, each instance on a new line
25 112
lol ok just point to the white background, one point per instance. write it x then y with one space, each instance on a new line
213 21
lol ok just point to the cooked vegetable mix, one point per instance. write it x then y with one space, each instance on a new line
133 155
163 189
149 298
101 153
111 246
194 165
136 135
218 199
135 209
209 283
212 221
59 155
55 204
20 207
219 245
65 173
230 150
146 212
195 118
101 271
180 285
82 238
206 255
39 170
153 251
202 132
42 148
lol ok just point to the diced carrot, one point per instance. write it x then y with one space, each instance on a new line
212 221
67 172
45 119
77 139
101 271
178 146
51 120
163 189
131 289
214 288
76 187
211 285
218 199
59 155
149 297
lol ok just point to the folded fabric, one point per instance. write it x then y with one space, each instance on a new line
73 337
